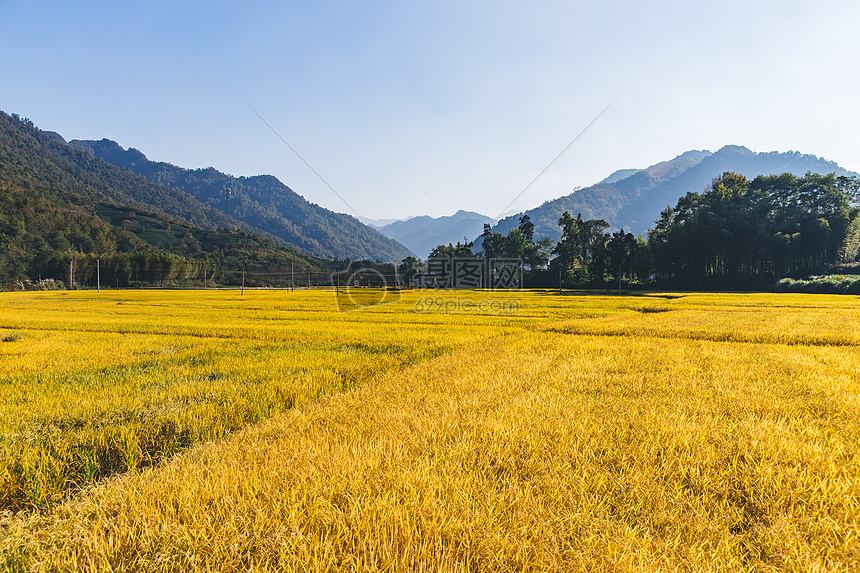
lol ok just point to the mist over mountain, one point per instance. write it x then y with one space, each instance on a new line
422 234
379 223
633 199
262 202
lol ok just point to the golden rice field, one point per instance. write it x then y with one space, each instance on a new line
469 431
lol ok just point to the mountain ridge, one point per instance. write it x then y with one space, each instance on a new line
262 202
421 234
58 204
634 201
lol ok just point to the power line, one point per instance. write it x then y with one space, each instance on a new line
297 154
560 154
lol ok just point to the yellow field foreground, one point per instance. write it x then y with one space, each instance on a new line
577 432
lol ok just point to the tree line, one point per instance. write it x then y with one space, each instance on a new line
736 233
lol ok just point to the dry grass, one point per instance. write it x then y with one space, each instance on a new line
585 433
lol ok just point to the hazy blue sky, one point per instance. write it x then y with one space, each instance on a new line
410 108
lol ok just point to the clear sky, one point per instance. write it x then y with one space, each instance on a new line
411 108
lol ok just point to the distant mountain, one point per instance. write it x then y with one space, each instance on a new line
422 234
58 203
262 202
633 199
379 223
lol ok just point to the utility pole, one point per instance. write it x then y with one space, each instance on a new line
71 271
243 282
619 278
227 193
204 279
292 275
98 276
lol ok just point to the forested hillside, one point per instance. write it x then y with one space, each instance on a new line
263 202
58 204
634 202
